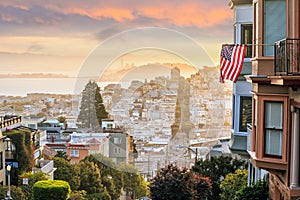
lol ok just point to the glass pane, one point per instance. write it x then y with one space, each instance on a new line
273 115
274 23
247 38
273 142
245 112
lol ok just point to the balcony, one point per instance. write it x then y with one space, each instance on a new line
287 57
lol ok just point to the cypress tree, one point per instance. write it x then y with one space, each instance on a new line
92 109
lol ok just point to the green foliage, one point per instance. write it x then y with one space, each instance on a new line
134 182
23 150
61 119
78 195
232 183
173 183
92 109
16 193
62 154
108 168
51 190
32 179
217 168
98 196
90 178
67 172
256 191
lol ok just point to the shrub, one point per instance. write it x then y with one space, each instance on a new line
16 193
256 191
51 190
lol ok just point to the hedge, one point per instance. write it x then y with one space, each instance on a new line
51 190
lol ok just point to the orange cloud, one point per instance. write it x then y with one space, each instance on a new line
184 13
188 14
119 14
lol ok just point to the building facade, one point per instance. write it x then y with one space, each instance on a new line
275 95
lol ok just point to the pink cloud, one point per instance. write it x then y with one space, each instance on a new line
183 13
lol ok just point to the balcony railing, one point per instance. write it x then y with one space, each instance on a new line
287 57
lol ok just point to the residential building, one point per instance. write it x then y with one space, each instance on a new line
85 144
242 97
119 142
241 100
276 96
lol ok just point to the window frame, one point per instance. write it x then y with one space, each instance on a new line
260 131
74 155
241 113
244 28
280 129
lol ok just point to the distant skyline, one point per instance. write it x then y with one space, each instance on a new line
58 36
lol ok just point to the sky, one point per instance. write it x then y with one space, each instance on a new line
63 36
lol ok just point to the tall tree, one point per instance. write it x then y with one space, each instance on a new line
90 181
217 168
111 176
67 172
174 183
92 109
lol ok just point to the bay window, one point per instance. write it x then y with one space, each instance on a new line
274 24
273 128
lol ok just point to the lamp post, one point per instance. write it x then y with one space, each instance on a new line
8 168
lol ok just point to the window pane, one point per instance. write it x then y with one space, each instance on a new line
273 114
273 142
247 38
245 112
274 23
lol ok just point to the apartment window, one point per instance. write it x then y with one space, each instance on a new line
245 113
117 140
273 127
274 24
247 38
109 126
74 153
117 150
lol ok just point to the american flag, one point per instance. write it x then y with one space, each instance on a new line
232 59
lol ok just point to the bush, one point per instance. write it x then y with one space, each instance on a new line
16 193
256 191
232 183
51 190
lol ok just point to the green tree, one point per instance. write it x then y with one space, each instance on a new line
92 109
256 191
62 154
21 140
111 175
217 168
90 179
32 179
67 172
173 183
134 183
61 119
232 183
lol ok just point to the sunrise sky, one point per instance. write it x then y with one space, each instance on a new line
59 35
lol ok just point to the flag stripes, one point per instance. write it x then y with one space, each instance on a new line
231 63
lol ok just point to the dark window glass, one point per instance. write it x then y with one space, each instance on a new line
245 113
247 38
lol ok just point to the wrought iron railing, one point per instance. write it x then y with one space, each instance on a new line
287 57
